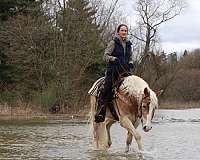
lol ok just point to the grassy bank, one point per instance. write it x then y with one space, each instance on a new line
31 112
178 105
21 111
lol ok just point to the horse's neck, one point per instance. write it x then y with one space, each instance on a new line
131 102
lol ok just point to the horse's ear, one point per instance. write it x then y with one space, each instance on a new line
146 92
158 93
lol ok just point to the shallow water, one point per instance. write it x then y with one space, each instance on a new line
175 135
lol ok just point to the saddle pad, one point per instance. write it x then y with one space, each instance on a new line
94 89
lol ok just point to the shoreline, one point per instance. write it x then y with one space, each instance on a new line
178 105
31 114
35 118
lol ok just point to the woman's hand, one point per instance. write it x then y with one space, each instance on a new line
131 66
115 61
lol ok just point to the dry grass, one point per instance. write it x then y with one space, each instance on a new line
178 105
23 111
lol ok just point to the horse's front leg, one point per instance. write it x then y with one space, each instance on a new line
128 141
108 131
127 124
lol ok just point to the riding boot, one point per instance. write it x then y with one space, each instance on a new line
101 110
101 107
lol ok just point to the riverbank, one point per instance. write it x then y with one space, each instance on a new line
12 113
39 117
28 112
178 105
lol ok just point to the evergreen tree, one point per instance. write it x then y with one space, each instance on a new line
185 53
24 46
82 47
9 8
5 77
82 34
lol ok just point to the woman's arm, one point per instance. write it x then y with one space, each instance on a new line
107 57
130 61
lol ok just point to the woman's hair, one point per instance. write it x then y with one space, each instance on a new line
118 28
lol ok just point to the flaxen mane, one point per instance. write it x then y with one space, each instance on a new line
129 86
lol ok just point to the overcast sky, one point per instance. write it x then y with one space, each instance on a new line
178 34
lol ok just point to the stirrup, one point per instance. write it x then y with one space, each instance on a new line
99 118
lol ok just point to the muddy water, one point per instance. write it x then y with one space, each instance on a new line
175 135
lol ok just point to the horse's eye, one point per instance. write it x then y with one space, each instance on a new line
144 107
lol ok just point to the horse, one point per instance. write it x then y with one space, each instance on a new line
134 103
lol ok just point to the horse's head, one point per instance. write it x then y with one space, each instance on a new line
147 108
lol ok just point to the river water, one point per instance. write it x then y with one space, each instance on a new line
175 136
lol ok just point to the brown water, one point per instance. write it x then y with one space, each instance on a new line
175 135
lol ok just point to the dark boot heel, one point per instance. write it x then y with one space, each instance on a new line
99 118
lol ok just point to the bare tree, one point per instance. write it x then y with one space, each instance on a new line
29 39
107 17
152 13
186 85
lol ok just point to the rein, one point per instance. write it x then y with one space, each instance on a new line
120 75
125 71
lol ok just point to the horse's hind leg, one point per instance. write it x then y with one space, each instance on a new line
127 124
128 141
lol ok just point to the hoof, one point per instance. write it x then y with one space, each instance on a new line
127 149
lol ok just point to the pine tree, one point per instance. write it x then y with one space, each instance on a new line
9 8
82 45
185 53
82 35
24 39
5 77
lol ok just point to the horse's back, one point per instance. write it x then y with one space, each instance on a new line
133 85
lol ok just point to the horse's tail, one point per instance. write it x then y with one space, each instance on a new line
99 131
93 124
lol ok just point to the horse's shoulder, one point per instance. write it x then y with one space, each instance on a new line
134 85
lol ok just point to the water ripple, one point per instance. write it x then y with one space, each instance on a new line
175 135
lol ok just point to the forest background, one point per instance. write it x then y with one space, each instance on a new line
51 53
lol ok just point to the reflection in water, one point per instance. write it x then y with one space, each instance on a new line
106 155
66 140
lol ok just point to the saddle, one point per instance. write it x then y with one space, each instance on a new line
112 96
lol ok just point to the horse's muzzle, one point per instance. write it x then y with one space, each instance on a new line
147 128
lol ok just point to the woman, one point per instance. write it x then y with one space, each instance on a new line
118 55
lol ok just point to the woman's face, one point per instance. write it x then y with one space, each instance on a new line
123 32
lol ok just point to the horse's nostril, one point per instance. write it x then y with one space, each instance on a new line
145 127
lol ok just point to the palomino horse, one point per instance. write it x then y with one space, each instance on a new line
135 102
